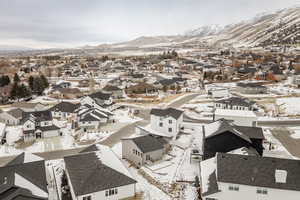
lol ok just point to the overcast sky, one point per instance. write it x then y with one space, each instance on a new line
67 23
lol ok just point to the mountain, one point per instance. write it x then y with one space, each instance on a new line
203 31
13 48
278 28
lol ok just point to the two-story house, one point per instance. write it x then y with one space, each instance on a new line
98 100
236 177
38 125
167 121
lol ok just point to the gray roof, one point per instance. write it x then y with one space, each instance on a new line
100 95
65 107
236 101
244 132
148 143
257 171
251 85
34 172
16 113
88 174
44 115
166 112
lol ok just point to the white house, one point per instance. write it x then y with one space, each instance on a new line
11 117
167 121
98 174
236 177
238 117
38 125
143 149
98 100
218 92
2 132
235 103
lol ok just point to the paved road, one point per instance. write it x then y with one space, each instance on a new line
291 144
110 141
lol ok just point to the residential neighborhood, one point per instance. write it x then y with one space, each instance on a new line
211 114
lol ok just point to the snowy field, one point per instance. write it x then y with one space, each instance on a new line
291 105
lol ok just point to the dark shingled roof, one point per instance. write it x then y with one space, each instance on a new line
166 112
44 115
241 131
148 143
100 95
257 171
65 107
236 101
34 172
88 174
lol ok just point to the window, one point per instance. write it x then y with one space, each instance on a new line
170 129
170 121
147 157
87 198
111 192
261 191
133 151
233 188
160 124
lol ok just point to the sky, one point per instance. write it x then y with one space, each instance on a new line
72 23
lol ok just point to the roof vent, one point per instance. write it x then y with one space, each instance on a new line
280 176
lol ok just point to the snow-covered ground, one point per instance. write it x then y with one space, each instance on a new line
291 105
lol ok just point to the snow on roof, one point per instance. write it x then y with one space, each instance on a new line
153 132
22 182
2 129
110 159
29 157
207 168
212 127
236 113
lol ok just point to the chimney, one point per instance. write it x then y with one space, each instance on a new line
280 176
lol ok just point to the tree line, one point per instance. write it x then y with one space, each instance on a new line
36 85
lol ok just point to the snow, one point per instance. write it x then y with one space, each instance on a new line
13 134
110 159
207 168
22 182
125 116
29 157
290 105
296 134
236 113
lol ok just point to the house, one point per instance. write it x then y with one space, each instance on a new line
98 100
90 118
61 84
218 92
11 117
167 121
64 110
24 178
116 92
235 103
251 88
66 93
2 133
223 136
236 177
238 117
5 93
29 107
99 174
143 149
38 124
141 88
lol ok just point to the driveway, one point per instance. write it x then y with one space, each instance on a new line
291 144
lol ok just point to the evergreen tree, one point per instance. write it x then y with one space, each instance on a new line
16 78
44 81
4 80
31 82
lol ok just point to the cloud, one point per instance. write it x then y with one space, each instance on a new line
74 22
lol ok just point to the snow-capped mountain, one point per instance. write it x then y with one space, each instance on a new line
204 31
278 28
